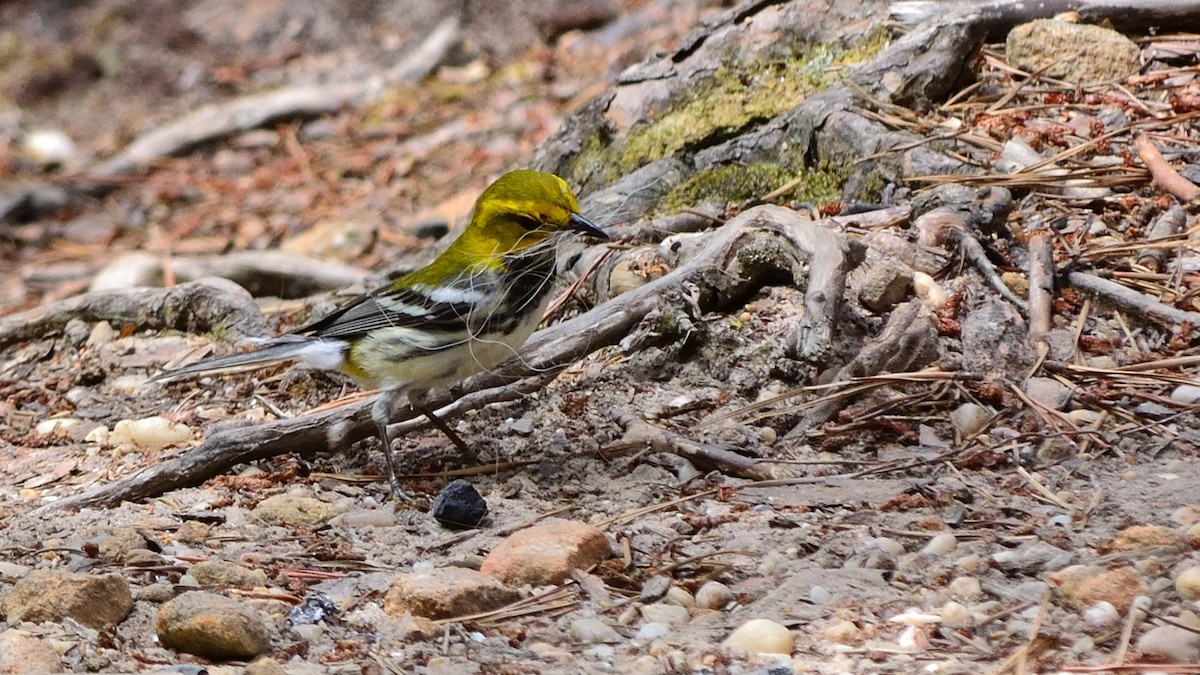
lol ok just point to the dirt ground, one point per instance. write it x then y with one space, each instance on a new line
901 536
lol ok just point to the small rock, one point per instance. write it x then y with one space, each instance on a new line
1171 643
969 419
459 506
672 615
157 593
344 240
150 433
1187 584
713 595
966 587
651 631
1145 536
365 518
1187 394
1075 52
49 147
761 636
956 614
592 631
446 592
1119 586
1101 616
844 633
316 608
680 596
10 570
884 284
212 626
193 532
654 588
264 665
546 553
120 544
293 510
1048 392
22 652
222 573
96 601
942 544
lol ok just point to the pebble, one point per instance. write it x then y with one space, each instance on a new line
212 626
49 147
365 518
1171 643
713 595
459 506
192 532
1048 392
150 433
1187 394
446 592
677 595
956 614
23 652
654 588
10 570
943 544
843 632
1101 615
592 631
546 553
1119 586
293 510
672 615
966 587
96 601
1193 536
264 665
223 573
1187 584
651 631
969 419
761 636
1145 536
819 595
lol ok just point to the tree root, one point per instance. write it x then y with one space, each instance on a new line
547 353
197 306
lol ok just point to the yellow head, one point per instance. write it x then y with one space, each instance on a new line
520 210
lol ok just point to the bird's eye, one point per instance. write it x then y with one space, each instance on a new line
529 223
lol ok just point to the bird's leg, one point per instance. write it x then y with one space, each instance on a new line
381 413
416 399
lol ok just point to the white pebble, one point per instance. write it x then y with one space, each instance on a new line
592 631
713 595
651 631
1172 643
679 596
966 587
887 545
969 418
915 617
943 544
49 147
56 426
1101 615
928 290
761 636
819 596
1187 584
149 433
671 615
956 614
1187 394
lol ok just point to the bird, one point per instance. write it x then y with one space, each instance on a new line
467 311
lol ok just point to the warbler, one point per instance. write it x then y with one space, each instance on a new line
467 311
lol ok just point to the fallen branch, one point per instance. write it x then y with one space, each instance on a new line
707 456
547 353
1146 305
1161 173
215 121
275 273
197 306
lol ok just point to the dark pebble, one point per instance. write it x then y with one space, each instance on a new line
459 506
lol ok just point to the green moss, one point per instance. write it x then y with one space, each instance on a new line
732 184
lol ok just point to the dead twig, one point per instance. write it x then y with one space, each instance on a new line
1147 306
1161 173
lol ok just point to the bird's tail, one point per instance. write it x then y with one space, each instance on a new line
285 348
